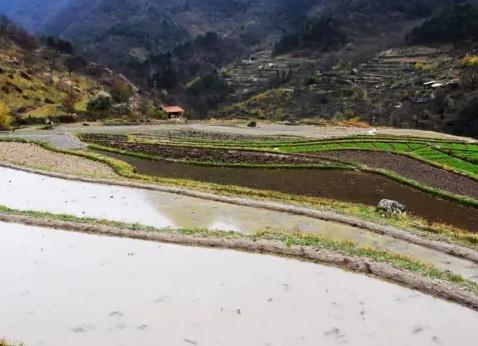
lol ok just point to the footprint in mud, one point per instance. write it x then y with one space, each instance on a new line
142 327
417 329
161 299
83 328
116 314
334 332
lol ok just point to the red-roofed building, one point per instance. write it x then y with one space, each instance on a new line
174 111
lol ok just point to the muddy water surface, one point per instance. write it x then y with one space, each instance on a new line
75 289
335 184
25 191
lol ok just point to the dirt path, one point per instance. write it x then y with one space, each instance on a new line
60 136
65 141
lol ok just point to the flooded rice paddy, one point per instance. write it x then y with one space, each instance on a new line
76 289
334 184
32 192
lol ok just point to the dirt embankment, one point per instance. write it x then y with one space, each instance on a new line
409 168
34 156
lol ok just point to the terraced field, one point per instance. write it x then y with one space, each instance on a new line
290 196
459 157
431 176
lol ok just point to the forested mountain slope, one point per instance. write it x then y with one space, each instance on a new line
396 62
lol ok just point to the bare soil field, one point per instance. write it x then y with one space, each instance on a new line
409 168
212 155
34 156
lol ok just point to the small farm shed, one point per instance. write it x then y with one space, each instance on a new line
174 111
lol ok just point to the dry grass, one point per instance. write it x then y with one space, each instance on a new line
5 342
471 60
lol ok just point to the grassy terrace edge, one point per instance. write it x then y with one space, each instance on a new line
412 224
297 245
343 166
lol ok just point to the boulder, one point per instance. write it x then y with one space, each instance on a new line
391 207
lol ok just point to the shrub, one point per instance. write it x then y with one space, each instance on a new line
471 60
422 66
157 113
121 91
6 118
100 104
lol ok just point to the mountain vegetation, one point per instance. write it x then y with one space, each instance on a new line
454 25
42 78
374 60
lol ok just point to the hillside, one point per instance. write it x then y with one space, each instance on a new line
40 79
126 34
366 59
393 69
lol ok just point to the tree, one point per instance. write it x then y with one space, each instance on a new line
75 63
100 105
69 101
121 91
58 44
6 118
454 25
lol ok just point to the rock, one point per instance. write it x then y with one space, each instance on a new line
391 207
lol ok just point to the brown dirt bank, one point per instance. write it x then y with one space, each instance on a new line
435 287
409 168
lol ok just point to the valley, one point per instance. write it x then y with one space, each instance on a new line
111 185
211 172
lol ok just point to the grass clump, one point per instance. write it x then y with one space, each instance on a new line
6 117
471 60
6 342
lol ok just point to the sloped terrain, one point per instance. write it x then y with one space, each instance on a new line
45 79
